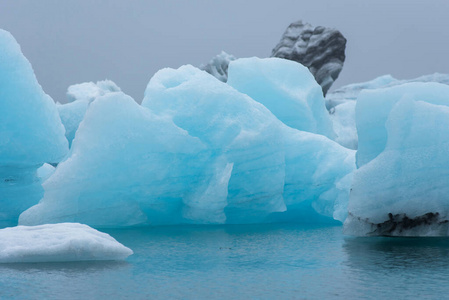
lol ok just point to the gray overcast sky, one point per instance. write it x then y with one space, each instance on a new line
70 42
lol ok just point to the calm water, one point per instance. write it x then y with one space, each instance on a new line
257 261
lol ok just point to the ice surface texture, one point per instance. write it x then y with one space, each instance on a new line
196 151
58 243
401 185
286 88
31 132
320 49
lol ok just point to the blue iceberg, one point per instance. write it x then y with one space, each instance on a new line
401 185
31 132
197 151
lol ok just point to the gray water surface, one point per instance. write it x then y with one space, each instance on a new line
281 261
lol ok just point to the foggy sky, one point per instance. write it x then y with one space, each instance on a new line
74 41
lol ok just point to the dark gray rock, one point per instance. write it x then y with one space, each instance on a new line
320 49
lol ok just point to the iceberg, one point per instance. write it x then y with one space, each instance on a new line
80 96
58 243
342 102
31 132
351 91
218 66
197 151
400 187
286 88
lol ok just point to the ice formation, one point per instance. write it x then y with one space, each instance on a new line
196 151
351 91
31 132
401 184
218 66
58 243
286 88
320 49
80 96
341 103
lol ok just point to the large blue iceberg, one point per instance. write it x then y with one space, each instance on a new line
196 151
260 148
31 132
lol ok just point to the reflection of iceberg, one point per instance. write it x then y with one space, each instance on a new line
383 267
375 256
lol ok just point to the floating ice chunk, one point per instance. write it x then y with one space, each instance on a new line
401 185
58 243
286 88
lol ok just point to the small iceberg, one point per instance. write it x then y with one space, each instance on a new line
58 243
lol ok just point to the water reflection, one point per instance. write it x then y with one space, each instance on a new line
379 254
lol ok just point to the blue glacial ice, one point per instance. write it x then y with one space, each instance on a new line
262 148
58 242
286 88
341 103
196 151
31 132
401 184
79 97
